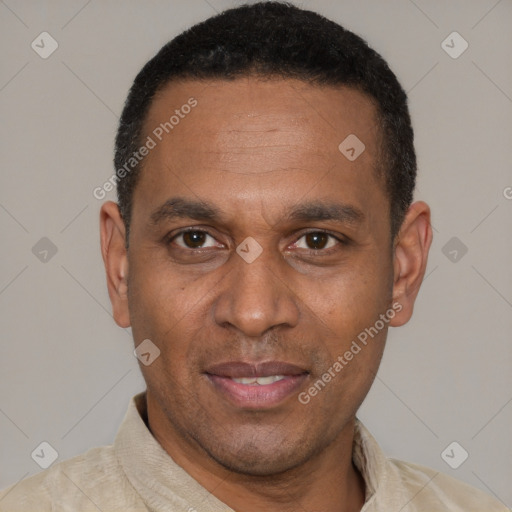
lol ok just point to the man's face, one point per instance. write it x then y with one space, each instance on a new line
264 157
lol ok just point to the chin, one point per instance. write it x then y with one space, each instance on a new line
255 463
263 455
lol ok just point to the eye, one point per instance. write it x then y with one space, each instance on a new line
194 239
317 240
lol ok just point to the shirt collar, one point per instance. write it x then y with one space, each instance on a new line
161 482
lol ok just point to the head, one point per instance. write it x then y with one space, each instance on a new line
282 144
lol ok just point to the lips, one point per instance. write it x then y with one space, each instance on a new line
256 385
241 370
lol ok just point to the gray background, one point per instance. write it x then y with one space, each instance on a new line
67 371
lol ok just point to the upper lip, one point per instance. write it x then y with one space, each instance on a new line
241 369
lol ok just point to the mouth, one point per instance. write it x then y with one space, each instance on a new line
256 386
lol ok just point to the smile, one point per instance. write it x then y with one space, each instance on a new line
256 386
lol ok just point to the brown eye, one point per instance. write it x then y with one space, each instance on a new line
193 239
316 240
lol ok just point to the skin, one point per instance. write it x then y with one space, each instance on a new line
255 149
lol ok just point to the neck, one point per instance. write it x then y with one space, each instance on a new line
329 481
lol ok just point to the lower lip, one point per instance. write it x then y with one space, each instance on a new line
254 396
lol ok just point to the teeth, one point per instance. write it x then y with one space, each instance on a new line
262 381
246 380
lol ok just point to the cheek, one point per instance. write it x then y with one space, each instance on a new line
151 298
348 308
169 308
352 299
159 296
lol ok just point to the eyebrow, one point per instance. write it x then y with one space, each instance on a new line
179 207
320 210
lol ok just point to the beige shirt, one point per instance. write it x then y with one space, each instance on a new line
135 474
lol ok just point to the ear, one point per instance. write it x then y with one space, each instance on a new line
115 258
410 260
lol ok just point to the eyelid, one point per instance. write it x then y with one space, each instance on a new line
171 236
342 240
339 238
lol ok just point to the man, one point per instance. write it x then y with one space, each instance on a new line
264 241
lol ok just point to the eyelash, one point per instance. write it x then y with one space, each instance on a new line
169 239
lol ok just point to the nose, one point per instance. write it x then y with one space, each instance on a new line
255 297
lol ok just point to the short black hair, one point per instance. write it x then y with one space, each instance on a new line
275 39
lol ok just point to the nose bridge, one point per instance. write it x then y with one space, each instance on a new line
254 297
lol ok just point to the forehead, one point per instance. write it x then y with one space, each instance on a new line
280 137
251 112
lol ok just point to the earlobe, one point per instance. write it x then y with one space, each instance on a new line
115 259
410 259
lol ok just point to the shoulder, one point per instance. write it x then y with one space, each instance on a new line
432 490
85 482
